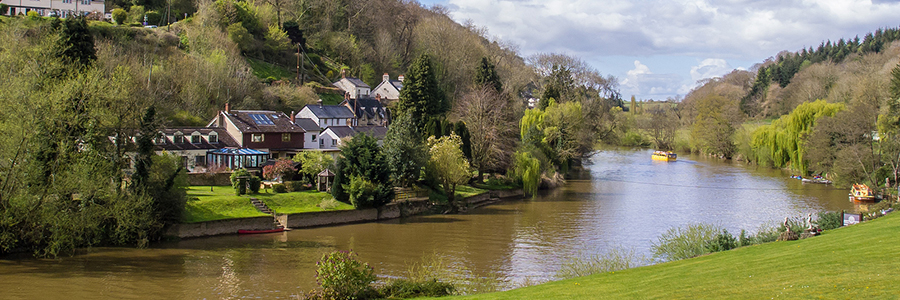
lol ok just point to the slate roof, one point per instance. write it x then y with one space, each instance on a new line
366 106
224 139
247 121
377 132
355 81
331 111
307 124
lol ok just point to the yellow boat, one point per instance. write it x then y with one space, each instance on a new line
664 156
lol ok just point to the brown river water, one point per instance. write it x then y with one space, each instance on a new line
624 200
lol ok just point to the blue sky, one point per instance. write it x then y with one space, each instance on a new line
661 48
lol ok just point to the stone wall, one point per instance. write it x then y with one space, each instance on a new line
230 226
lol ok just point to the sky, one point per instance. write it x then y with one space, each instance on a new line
660 48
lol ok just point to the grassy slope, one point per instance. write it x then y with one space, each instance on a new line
223 204
263 70
859 261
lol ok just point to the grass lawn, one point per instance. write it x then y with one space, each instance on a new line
263 70
856 262
221 203
463 191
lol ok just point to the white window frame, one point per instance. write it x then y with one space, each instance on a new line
257 138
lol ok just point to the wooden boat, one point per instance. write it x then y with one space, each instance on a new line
861 193
664 156
247 231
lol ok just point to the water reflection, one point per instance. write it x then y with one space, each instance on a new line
625 201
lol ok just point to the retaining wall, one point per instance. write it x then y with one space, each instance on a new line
229 226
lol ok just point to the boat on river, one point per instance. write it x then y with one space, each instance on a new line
816 180
664 156
861 193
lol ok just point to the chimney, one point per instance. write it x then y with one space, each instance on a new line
401 78
227 108
378 97
293 117
320 103
385 77
347 96
343 73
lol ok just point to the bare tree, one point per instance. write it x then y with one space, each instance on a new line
492 125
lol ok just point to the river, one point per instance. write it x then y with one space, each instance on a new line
623 201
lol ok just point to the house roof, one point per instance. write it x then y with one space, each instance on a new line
261 121
224 139
353 80
238 151
377 132
307 124
330 111
370 107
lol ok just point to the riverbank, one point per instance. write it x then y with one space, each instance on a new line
394 210
851 262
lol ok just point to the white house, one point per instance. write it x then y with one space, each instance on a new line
353 86
313 131
327 115
192 144
389 90
333 137
62 8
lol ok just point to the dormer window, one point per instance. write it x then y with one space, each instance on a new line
213 137
160 138
178 138
195 138
257 138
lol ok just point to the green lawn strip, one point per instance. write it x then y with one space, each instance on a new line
463 191
859 261
297 202
203 205
331 99
263 70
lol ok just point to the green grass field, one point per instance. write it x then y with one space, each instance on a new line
463 191
221 203
263 70
856 262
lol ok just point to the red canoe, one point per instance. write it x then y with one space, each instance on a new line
242 231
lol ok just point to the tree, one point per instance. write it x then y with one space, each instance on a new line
76 44
119 15
404 151
283 168
362 157
714 126
661 124
143 160
450 165
486 75
421 96
782 143
491 122
312 163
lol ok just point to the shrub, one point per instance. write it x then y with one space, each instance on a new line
120 16
295 186
686 242
343 277
4 9
828 220
402 289
614 260
279 188
361 192
328 203
722 242
32 14
254 183
235 183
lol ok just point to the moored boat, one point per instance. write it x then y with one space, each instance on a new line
861 193
816 180
664 156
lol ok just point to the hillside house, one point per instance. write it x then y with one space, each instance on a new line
327 115
192 144
263 130
332 137
389 90
355 87
367 111
61 8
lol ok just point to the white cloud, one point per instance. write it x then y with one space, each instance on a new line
644 84
709 68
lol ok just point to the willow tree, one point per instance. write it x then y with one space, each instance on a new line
782 142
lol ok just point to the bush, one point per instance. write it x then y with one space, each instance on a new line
120 16
328 203
294 186
341 276
402 289
279 188
235 183
614 260
32 14
722 242
4 9
254 183
828 220
686 242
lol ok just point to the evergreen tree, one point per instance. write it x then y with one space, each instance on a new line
486 74
362 158
421 96
404 151
465 138
140 179
76 44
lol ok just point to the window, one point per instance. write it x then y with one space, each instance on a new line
334 142
179 138
313 138
321 142
200 160
257 138
285 137
195 138
86 2
213 137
